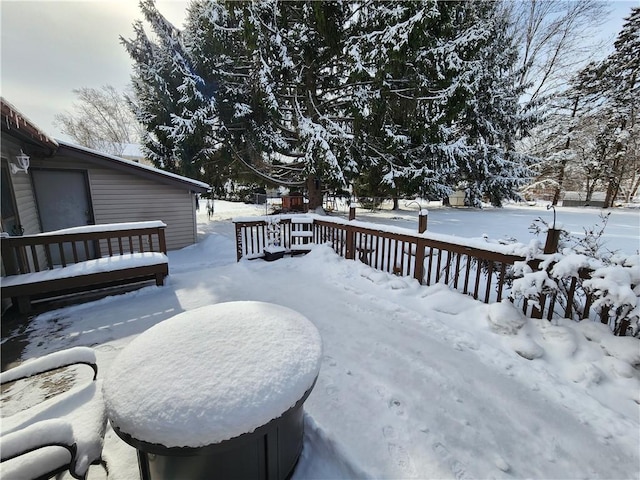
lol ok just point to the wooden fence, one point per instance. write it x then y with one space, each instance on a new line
484 274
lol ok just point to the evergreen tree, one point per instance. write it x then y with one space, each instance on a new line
299 83
439 103
174 103
418 95
491 118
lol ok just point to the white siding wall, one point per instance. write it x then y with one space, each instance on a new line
25 200
119 196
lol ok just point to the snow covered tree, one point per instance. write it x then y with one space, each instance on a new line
438 104
101 120
555 37
612 87
492 118
591 134
173 101
622 85
420 95
298 79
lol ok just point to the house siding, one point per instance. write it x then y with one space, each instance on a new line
118 196
23 191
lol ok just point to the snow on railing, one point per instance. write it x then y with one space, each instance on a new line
487 270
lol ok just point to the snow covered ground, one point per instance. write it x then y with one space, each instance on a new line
415 382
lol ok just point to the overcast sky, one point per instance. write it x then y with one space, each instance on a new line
50 47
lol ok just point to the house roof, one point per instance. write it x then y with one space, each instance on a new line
99 158
19 126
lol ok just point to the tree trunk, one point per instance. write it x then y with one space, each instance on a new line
396 203
612 192
563 164
314 192
635 185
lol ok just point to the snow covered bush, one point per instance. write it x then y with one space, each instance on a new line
583 276
532 285
617 288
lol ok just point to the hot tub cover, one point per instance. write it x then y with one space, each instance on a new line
213 373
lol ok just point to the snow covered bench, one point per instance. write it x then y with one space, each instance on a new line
81 259
64 432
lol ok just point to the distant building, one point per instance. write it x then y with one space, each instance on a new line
579 199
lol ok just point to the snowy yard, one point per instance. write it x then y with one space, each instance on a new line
415 382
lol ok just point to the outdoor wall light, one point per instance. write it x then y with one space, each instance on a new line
23 163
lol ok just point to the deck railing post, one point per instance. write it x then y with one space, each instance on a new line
350 253
162 243
418 270
553 238
238 242
422 221
9 257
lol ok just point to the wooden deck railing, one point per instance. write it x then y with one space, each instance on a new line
78 260
49 250
483 273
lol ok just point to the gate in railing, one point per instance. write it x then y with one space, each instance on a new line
484 273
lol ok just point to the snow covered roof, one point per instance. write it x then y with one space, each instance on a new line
20 126
94 156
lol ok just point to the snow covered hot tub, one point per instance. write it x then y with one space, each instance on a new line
216 392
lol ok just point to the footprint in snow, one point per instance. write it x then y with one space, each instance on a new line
388 432
400 456
332 390
330 361
105 348
396 407
458 469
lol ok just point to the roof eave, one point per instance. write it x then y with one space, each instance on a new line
132 167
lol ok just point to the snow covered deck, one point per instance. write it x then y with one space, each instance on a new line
81 259
416 381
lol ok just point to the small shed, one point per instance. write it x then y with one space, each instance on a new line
67 185
294 202
456 199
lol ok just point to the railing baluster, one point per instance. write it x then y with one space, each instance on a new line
487 292
503 272
47 252
587 306
570 295
467 273
552 305
477 285
430 265
457 273
34 256
447 268
62 258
